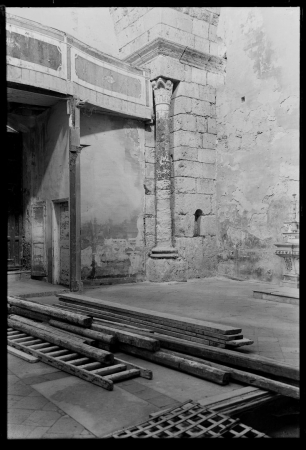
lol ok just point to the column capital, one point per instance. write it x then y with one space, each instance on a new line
162 89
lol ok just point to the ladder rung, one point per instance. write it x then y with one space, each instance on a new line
58 353
39 346
108 370
49 349
89 366
24 339
29 343
123 375
78 362
67 357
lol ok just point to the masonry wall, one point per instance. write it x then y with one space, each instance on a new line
112 197
45 170
258 137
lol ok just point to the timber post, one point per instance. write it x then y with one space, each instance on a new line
75 197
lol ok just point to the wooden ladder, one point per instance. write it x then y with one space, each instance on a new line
75 363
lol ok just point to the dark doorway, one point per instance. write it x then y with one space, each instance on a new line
14 198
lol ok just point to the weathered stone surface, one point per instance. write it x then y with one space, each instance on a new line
206 155
185 153
205 186
207 93
257 139
186 122
187 138
149 136
166 67
201 44
201 124
189 203
200 28
201 108
149 170
200 255
198 75
194 169
149 226
212 125
149 186
161 270
208 226
186 90
184 225
150 155
184 185
209 140
150 204
181 105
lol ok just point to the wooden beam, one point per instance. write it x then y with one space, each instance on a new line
75 199
103 337
252 362
57 313
83 349
182 364
129 338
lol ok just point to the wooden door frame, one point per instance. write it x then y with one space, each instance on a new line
56 238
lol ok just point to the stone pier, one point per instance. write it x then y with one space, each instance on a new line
163 264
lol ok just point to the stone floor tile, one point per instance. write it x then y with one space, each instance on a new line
42 418
161 400
18 416
133 388
19 389
147 393
290 350
50 407
30 403
34 379
19 432
12 379
267 339
66 425
56 375
37 433
34 394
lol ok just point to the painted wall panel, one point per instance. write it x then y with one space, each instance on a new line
112 174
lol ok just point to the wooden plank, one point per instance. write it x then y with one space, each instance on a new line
73 370
170 331
239 342
99 355
90 366
182 364
66 316
209 326
129 338
253 362
21 354
103 337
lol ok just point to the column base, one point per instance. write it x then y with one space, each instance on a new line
76 286
166 269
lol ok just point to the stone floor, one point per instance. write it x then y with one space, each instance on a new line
44 402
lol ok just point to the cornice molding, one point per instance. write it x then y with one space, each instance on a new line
186 55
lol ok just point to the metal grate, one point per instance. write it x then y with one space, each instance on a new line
190 420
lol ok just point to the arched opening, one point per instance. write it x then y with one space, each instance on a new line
197 222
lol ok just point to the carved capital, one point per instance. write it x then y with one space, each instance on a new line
162 91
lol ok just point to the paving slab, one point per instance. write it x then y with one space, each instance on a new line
98 410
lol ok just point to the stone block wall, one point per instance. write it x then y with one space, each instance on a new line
192 124
193 27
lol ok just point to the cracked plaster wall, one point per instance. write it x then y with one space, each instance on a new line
112 193
258 139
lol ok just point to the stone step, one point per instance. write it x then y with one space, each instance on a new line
281 295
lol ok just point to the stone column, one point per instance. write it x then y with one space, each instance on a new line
162 94
164 263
